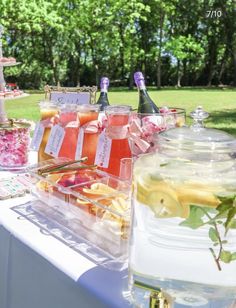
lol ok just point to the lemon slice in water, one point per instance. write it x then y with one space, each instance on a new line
160 197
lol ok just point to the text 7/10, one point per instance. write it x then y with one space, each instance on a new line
213 13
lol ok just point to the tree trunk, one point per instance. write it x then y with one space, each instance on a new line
95 65
222 69
159 72
179 74
131 79
77 77
185 77
122 62
211 73
212 62
234 60
234 57
131 76
55 74
53 63
162 18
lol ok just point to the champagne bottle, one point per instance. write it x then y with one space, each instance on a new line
146 105
103 99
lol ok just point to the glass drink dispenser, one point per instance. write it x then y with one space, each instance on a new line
183 241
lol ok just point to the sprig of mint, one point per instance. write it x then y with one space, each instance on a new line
223 215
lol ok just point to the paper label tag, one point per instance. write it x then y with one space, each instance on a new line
55 140
37 137
103 150
80 142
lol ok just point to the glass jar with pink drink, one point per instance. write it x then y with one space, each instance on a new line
68 119
88 134
113 144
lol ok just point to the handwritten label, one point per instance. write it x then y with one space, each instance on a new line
80 142
37 137
82 98
55 140
103 150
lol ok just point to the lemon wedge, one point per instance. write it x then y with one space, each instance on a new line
103 187
99 189
54 177
83 202
120 205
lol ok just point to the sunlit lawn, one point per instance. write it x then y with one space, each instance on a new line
221 104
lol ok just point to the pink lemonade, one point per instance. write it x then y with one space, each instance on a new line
117 119
87 114
68 120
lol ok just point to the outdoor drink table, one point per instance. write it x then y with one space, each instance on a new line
39 271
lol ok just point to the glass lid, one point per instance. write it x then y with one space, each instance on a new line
197 137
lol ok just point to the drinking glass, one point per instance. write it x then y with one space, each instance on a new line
126 168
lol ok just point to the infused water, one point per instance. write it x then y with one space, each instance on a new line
181 240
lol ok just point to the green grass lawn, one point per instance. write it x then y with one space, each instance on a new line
221 104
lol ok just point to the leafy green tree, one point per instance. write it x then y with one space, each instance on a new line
77 41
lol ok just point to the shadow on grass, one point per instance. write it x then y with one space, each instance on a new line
226 119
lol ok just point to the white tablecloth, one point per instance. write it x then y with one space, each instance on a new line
39 271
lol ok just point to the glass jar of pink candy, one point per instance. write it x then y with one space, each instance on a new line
14 144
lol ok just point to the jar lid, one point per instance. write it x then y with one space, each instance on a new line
197 137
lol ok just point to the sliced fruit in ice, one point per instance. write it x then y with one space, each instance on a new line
54 177
67 180
80 179
102 189
120 205
81 201
44 186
